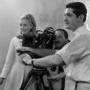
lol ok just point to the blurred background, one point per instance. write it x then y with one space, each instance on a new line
46 13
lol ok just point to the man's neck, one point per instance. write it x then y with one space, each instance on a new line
80 25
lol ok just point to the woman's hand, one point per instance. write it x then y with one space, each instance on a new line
2 80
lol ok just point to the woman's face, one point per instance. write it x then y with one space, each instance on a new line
25 26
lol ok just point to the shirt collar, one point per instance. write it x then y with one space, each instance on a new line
81 30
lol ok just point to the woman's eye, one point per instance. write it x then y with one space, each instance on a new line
20 24
25 24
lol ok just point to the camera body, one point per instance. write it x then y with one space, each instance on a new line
42 40
28 40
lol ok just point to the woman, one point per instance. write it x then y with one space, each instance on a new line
14 71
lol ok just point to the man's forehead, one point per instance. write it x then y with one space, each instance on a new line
59 32
68 10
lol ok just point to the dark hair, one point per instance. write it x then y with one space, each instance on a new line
79 8
64 31
50 29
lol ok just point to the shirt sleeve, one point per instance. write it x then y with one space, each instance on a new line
9 59
75 50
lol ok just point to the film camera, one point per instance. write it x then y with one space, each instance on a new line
44 40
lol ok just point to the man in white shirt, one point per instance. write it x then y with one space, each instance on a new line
75 56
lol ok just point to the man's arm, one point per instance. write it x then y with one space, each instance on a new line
48 60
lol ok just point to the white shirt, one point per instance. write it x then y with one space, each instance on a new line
76 55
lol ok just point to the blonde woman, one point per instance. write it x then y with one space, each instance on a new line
14 71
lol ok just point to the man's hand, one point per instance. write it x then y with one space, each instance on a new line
26 59
2 80
24 48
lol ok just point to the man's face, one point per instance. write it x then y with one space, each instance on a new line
71 20
60 39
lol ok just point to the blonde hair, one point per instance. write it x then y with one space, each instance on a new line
31 19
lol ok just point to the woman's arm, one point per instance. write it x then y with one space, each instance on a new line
9 60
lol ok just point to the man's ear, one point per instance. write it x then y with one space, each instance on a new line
81 17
